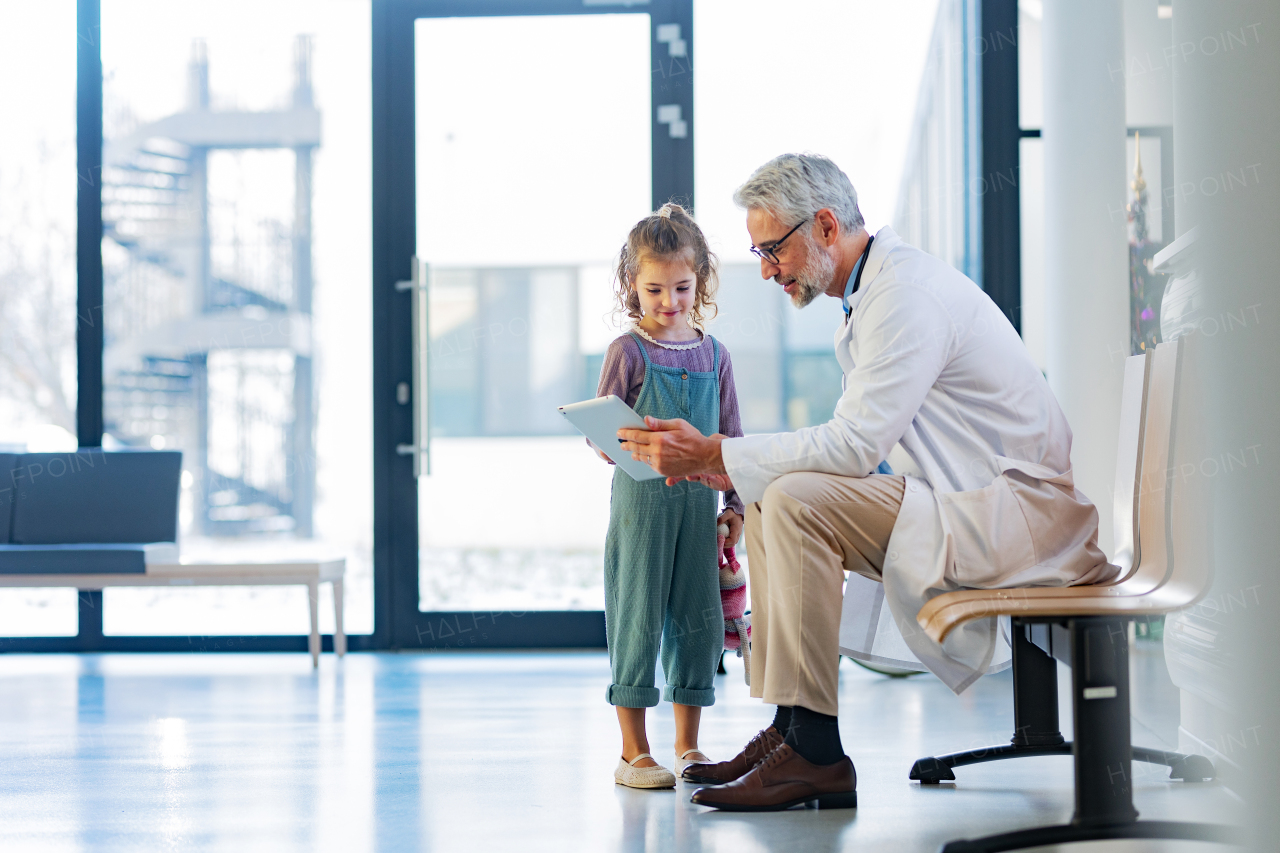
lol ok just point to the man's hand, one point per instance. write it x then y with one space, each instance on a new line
734 521
717 482
674 448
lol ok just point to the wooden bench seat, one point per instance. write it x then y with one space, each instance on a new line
1165 566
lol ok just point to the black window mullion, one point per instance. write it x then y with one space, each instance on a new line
89 294
1001 177
89 298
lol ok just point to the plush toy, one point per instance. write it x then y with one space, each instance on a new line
733 599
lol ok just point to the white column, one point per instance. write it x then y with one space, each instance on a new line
1086 236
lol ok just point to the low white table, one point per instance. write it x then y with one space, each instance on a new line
306 572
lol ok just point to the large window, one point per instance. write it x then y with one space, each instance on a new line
236 252
37 263
749 112
236 182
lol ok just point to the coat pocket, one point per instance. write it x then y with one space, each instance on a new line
989 535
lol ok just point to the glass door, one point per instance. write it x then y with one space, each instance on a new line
536 141
527 184
515 145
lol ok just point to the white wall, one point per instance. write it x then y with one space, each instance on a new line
1086 244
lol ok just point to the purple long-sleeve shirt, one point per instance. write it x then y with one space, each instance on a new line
623 375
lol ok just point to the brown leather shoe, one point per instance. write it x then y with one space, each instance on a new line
756 750
783 780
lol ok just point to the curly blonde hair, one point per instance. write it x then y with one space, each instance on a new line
664 235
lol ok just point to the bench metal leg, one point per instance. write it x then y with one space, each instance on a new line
339 635
1035 722
89 637
1100 706
313 642
935 769
1103 754
1035 718
1189 768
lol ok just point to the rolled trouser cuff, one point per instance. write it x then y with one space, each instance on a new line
689 696
632 697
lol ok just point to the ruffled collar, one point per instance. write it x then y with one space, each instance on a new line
642 333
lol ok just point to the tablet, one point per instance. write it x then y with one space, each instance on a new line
599 420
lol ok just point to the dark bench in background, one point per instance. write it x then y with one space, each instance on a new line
93 519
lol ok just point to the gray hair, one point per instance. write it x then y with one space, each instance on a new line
794 187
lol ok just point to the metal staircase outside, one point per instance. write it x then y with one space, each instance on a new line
218 364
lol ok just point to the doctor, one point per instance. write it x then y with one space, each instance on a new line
931 363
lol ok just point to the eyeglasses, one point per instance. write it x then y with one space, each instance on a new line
770 253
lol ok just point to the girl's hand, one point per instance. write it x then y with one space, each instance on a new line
734 521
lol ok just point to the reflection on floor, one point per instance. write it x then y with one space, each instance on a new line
476 752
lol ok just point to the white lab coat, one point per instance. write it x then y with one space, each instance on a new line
930 362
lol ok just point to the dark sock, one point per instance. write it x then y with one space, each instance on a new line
782 719
815 736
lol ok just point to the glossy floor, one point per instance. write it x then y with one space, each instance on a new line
478 752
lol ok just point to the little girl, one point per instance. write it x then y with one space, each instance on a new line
660 572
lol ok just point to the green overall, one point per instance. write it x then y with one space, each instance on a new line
660 580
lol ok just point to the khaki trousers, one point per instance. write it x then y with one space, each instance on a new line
809 530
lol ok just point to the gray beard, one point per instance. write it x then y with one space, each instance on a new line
814 278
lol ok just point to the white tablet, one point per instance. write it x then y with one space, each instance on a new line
599 420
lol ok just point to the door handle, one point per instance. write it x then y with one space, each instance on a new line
419 285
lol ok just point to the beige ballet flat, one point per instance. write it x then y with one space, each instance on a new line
643 777
683 760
